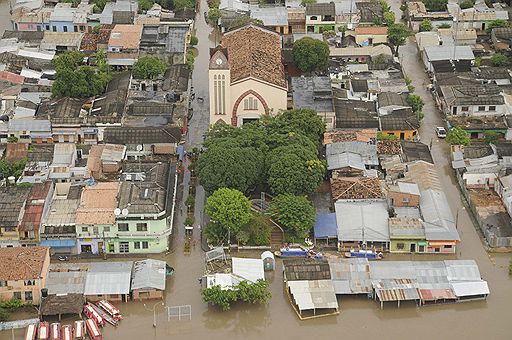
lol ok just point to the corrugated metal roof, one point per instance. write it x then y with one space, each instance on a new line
148 274
438 219
343 160
435 53
410 188
462 270
362 220
316 294
396 290
471 288
437 294
108 278
249 269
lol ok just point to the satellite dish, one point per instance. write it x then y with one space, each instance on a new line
139 147
124 212
117 211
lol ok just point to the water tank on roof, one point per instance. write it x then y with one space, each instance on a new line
4 118
44 292
11 179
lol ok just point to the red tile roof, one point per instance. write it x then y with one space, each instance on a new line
12 77
39 191
255 52
22 263
16 151
32 218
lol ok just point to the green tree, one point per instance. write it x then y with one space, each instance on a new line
458 136
289 173
294 213
499 23
12 139
416 102
259 230
194 40
99 5
214 15
230 208
310 54
304 3
397 35
182 4
189 221
491 137
466 4
148 68
72 79
435 5
389 18
499 59
426 25
145 5
231 166
219 297
256 292
304 121
445 25
216 234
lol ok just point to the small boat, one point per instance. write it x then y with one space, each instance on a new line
93 330
67 332
92 313
110 309
105 317
291 252
55 331
43 333
79 329
361 253
30 332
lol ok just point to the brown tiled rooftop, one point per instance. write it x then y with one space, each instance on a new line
352 135
21 263
16 151
97 204
389 147
255 52
356 188
91 40
371 30
126 36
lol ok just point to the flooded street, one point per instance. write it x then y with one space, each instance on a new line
359 317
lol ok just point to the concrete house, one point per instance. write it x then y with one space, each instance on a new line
123 45
145 209
431 54
23 272
320 17
12 209
36 208
246 76
95 217
472 100
371 35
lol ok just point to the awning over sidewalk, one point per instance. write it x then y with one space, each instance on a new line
58 243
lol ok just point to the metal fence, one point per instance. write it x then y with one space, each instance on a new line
179 312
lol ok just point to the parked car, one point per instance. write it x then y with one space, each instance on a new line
441 132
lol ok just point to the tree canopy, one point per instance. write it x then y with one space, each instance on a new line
274 151
74 79
499 59
426 25
458 136
310 54
148 68
416 102
12 168
229 208
491 137
499 23
397 35
253 293
182 4
435 5
294 213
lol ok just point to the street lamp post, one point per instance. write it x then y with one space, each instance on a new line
154 311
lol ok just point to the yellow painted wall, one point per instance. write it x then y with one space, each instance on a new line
408 134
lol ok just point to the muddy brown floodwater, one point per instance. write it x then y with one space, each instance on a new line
359 317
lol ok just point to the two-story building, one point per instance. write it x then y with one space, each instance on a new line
95 218
12 208
23 272
123 45
36 207
144 216
320 17
472 100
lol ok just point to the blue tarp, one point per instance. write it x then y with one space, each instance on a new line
180 151
325 226
58 243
